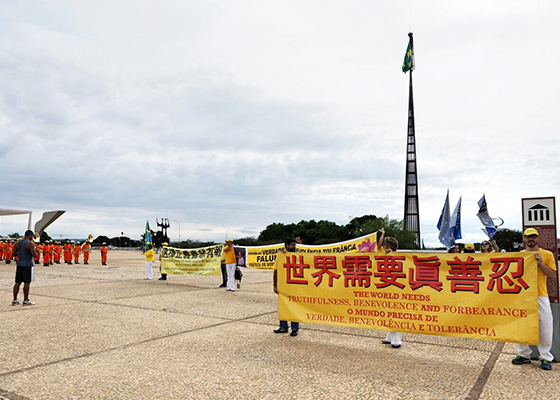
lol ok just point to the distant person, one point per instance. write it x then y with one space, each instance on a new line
231 263
489 247
238 273
163 276
390 245
25 252
469 248
455 249
86 249
546 268
289 246
149 261
77 251
298 240
224 272
103 250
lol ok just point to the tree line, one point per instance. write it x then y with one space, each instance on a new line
313 233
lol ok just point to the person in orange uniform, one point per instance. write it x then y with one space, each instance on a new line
86 249
1 250
104 254
77 251
9 247
46 254
39 248
67 253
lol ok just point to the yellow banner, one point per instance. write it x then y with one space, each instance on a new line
202 261
264 257
482 296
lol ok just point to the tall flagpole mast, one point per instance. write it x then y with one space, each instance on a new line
411 210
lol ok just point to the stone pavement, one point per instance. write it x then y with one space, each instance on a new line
106 333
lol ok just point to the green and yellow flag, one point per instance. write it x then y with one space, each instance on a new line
408 63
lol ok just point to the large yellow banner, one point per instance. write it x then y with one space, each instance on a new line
264 257
483 296
202 261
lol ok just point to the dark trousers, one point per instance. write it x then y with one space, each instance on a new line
224 274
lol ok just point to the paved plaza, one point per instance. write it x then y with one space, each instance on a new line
104 332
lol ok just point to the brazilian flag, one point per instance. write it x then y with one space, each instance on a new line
148 234
408 63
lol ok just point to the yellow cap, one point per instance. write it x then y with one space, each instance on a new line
229 240
469 246
165 244
530 231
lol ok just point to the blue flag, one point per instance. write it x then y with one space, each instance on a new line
444 226
489 227
455 223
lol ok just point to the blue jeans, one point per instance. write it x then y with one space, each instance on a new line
284 325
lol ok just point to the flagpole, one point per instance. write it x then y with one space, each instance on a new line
411 209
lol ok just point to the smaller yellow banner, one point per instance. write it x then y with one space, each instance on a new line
264 257
202 261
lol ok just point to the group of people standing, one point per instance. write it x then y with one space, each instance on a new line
546 268
54 252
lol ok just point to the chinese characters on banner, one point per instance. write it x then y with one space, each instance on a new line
202 261
482 296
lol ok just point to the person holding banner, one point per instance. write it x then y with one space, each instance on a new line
546 269
487 247
149 261
391 244
290 246
231 263
163 276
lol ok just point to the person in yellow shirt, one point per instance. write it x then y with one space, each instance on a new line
546 269
231 263
149 261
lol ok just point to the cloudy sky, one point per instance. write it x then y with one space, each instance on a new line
226 116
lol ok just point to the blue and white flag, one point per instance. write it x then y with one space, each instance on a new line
455 223
489 227
444 226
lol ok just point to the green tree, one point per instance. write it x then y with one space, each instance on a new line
395 228
509 239
14 235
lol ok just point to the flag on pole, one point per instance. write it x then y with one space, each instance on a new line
147 235
455 223
443 225
489 227
408 63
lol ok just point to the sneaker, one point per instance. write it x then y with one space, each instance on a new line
16 302
162 279
546 365
280 330
239 285
395 346
386 341
294 333
521 360
28 303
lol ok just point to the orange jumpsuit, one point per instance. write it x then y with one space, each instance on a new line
1 250
46 255
38 256
67 253
86 250
77 251
103 255
57 253
9 251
